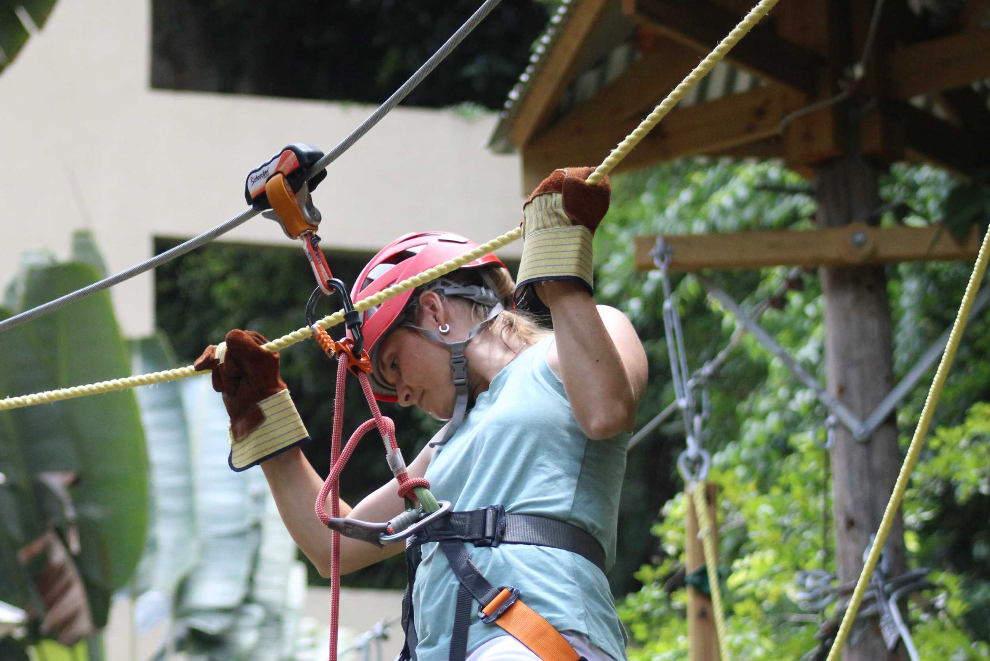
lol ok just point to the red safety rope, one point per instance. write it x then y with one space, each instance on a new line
338 459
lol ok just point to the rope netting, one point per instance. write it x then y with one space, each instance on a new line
613 159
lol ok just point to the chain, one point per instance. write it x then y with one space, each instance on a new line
694 462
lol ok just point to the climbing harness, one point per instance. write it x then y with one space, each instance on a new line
490 527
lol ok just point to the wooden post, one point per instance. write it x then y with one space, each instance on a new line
702 637
859 367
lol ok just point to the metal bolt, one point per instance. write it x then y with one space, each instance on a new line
858 239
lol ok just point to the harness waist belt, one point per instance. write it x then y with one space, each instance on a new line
491 526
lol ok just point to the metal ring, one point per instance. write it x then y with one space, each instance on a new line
703 461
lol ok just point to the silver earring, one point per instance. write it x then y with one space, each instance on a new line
444 329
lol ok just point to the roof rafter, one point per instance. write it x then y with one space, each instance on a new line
550 82
723 125
939 64
701 24
928 138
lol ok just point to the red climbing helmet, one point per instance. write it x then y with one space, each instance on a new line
403 258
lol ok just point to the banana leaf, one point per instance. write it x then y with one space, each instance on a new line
85 250
276 586
21 519
100 438
228 509
172 549
13 33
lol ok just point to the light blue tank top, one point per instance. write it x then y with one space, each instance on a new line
520 447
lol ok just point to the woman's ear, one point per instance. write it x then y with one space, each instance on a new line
432 309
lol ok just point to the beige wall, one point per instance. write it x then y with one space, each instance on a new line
84 143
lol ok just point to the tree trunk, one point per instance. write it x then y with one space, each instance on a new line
859 368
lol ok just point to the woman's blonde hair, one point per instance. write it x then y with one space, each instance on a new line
515 328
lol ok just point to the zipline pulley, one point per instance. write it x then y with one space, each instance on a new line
282 186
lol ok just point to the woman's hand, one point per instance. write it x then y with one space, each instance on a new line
263 419
559 221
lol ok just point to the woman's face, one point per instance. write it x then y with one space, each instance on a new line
420 371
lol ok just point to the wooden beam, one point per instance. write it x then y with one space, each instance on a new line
760 150
972 14
635 93
856 244
939 64
931 139
970 111
548 85
709 128
701 24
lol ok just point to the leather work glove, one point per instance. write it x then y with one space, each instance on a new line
263 419
559 221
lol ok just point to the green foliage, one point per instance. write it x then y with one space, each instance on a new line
775 507
350 51
13 32
99 441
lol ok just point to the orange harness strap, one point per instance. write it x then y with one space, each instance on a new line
529 628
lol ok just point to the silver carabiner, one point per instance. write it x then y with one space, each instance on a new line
419 525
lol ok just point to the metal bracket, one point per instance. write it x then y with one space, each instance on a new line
861 429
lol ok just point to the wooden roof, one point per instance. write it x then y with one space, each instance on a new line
603 64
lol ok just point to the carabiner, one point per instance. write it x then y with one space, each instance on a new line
352 318
358 359
419 525
364 531
318 263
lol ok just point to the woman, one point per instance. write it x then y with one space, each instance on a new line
536 423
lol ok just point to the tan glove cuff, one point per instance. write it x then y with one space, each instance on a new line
281 430
554 248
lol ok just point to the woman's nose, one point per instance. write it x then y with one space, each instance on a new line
405 396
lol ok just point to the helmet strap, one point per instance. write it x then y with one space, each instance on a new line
459 370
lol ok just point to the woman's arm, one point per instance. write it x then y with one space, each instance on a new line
598 356
296 486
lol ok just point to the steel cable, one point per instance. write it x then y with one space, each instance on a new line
425 70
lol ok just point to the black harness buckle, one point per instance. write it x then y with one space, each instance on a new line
494 530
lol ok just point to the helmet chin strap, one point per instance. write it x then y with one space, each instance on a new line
459 370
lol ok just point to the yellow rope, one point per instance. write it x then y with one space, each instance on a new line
711 564
914 450
275 345
699 72
426 276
